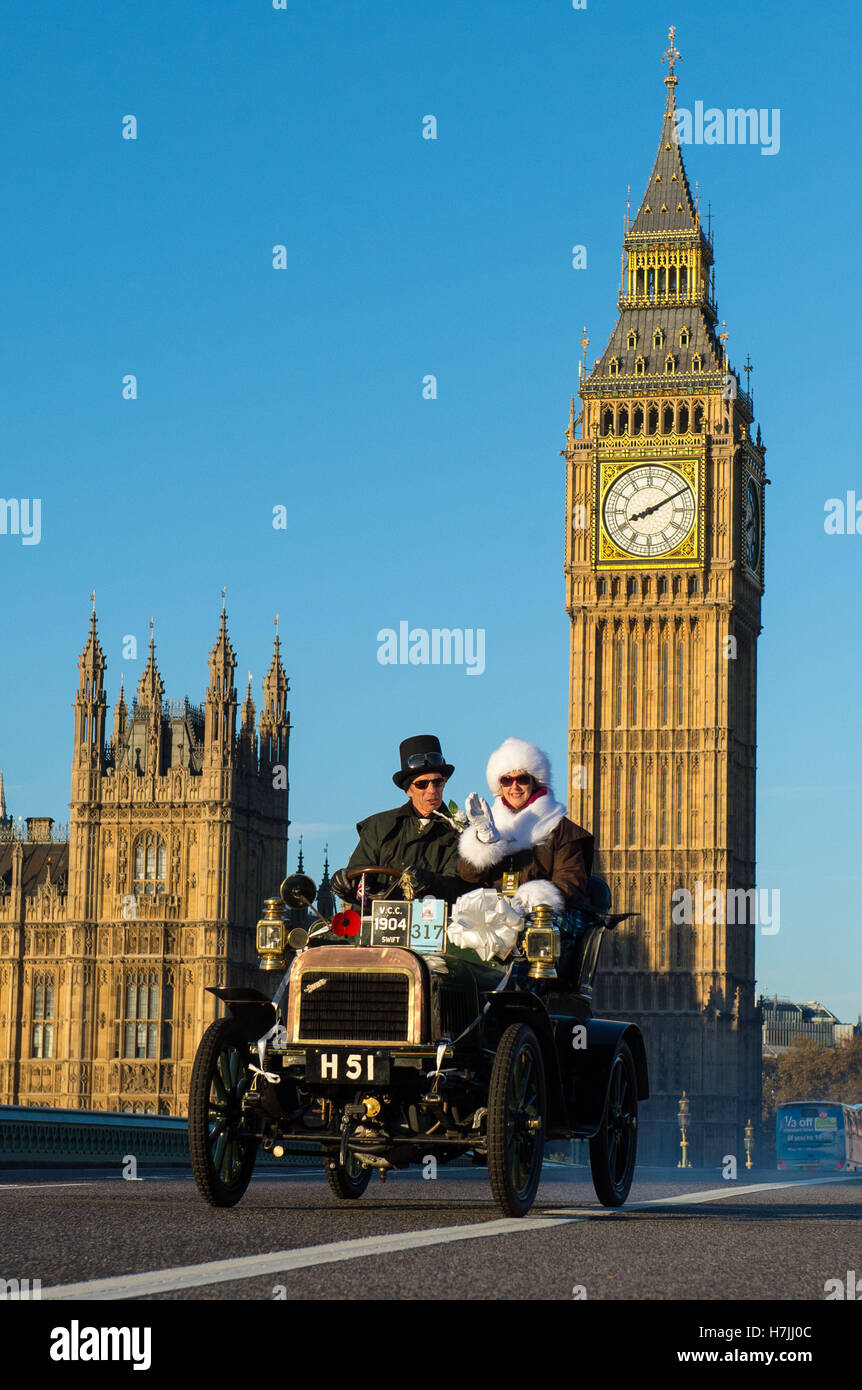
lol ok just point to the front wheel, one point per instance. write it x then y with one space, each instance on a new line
348 1179
613 1149
516 1120
222 1157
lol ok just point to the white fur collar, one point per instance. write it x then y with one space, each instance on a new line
517 829
532 826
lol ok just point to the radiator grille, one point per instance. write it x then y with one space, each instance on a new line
366 1006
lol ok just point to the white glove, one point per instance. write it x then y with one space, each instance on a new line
479 815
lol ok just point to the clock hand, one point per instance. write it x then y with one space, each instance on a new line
638 516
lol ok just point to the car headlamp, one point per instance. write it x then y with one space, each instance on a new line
271 934
542 943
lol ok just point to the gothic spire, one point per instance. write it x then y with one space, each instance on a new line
91 663
667 204
90 702
151 687
121 716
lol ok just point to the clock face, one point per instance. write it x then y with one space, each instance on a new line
649 510
751 539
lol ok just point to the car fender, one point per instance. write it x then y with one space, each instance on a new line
254 1011
589 1068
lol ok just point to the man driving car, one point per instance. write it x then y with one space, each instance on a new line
420 835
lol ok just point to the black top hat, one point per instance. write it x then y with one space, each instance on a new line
419 754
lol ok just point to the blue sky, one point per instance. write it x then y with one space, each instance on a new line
303 387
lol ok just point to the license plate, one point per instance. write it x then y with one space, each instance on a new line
340 1064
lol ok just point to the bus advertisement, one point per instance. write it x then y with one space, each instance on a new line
818 1134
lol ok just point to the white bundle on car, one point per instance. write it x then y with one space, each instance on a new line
486 922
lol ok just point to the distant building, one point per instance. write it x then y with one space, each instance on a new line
785 1020
111 932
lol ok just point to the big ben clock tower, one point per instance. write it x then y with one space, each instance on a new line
664 577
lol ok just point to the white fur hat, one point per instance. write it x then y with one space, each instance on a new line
516 755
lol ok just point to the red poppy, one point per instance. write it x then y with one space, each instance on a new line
347 923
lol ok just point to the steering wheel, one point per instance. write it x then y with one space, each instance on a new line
376 869
373 869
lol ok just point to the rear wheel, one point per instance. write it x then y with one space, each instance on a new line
222 1158
348 1179
614 1148
516 1120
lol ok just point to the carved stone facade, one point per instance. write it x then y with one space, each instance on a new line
178 831
664 575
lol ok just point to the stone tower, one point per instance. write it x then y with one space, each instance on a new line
664 577
178 831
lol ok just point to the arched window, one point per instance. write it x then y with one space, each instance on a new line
633 338
633 797
667 420
698 416
43 1016
144 1016
652 420
679 809
651 283
639 281
670 363
607 421
684 337
614 367
640 366
658 338
680 681
618 792
638 420
623 421
671 280
151 861
661 280
683 280
697 363
682 417
633 679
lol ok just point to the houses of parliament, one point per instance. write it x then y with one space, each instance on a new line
108 939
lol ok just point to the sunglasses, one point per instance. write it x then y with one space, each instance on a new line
423 782
523 779
426 760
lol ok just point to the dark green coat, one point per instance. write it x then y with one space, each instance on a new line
398 839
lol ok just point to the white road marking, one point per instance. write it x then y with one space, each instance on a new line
715 1194
280 1261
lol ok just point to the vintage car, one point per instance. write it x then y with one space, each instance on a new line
388 1046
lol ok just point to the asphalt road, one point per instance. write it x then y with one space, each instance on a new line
693 1237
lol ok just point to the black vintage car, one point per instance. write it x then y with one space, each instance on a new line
389 1055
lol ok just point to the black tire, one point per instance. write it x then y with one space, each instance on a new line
222 1161
516 1120
614 1149
346 1180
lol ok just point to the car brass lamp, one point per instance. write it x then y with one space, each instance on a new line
542 943
271 934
